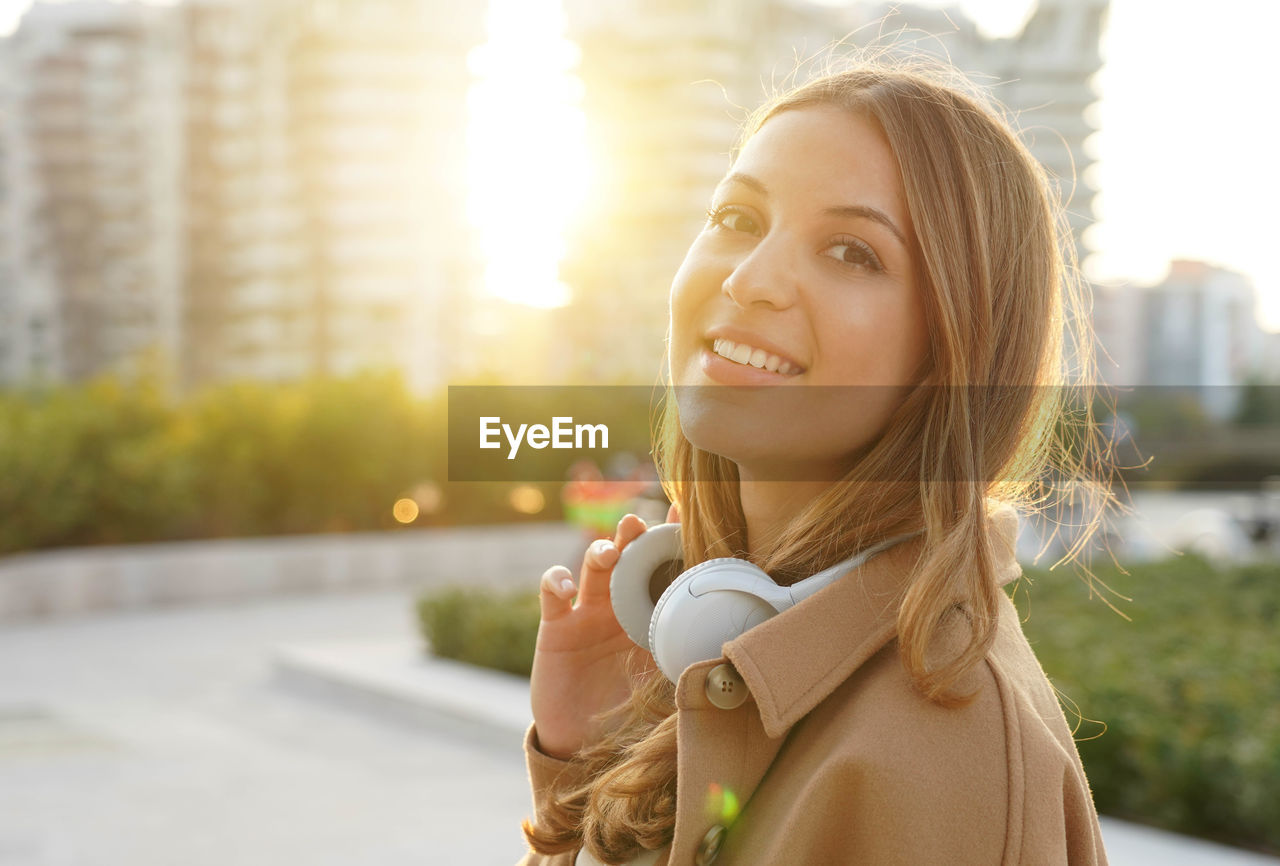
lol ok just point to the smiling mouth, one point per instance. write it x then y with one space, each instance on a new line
749 356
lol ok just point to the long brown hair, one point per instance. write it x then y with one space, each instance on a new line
993 421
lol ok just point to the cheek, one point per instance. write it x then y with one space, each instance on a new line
688 293
880 347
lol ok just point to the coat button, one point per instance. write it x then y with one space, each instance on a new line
709 847
725 688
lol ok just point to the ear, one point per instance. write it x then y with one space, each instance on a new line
633 573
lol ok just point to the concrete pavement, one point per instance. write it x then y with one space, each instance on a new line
162 738
285 731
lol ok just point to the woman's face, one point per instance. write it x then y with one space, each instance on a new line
803 276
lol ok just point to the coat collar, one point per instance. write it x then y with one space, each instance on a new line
796 659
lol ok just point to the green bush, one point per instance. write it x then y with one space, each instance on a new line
112 462
481 628
1188 690
99 463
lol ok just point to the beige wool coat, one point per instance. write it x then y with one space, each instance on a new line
834 758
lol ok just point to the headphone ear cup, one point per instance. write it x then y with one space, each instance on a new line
689 625
633 573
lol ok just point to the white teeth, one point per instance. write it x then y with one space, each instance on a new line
743 354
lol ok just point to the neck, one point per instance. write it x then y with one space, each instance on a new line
769 505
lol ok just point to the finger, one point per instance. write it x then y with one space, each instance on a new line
673 514
630 527
556 592
597 568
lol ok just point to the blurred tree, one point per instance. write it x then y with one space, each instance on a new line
1259 404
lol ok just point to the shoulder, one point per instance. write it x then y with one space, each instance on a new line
1013 707
997 777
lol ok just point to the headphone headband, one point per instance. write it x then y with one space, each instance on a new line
811 585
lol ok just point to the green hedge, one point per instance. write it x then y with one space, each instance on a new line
494 631
1188 690
107 462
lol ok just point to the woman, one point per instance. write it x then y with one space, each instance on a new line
881 254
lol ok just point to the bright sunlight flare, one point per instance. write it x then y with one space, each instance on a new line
528 167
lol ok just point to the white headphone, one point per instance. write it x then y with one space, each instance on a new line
708 605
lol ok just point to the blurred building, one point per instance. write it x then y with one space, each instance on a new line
325 183
1197 328
253 188
15 324
92 202
668 84
247 281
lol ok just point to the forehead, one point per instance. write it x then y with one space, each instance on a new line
827 157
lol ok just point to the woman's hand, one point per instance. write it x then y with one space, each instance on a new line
579 666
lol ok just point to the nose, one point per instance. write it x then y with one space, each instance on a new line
765 276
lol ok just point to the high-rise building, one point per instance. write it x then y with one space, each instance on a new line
325 176
247 283
15 324
268 189
92 196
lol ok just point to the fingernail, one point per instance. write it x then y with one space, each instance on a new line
566 585
601 546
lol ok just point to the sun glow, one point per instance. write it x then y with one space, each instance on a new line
528 166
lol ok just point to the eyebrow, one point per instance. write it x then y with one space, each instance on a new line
851 210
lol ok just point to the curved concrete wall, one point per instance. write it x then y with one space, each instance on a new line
82 580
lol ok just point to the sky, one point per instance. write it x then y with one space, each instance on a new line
1185 143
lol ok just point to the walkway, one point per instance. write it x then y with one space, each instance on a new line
159 738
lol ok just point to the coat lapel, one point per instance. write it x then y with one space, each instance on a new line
790 664
793 661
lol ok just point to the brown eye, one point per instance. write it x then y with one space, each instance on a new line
734 219
855 253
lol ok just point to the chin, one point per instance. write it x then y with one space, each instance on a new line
736 436
771 438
